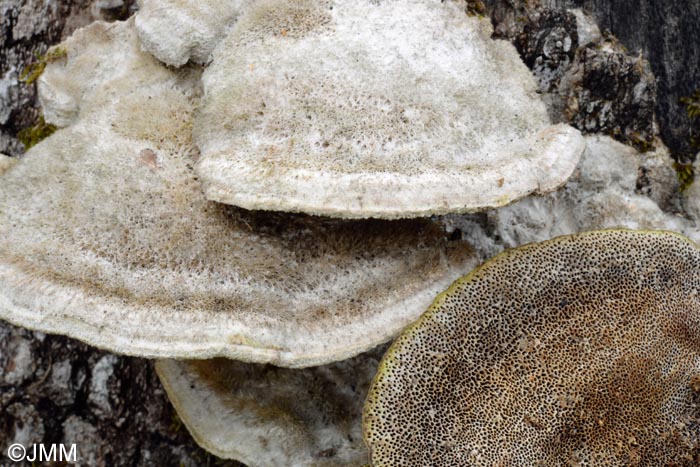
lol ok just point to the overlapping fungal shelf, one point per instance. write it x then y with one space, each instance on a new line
388 109
255 191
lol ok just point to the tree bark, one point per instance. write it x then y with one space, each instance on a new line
667 33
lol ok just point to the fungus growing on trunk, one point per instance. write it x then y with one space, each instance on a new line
387 109
266 416
178 31
82 80
108 238
582 350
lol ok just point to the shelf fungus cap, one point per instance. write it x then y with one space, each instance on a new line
80 79
268 416
581 350
178 31
108 238
387 109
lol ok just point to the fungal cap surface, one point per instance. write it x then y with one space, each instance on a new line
177 31
581 350
83 81
119 248
266 416
385 109
6 162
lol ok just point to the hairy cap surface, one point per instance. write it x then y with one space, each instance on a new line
389 109
108 238
582 350
177 31
83 80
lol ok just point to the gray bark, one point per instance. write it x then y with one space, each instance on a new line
57 390
668 35
590 82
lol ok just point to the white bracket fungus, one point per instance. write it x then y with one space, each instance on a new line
390 109
108 238
601 194
177 31
267 417
581 350
84 81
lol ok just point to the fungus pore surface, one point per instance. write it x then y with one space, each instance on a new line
101 82
390 109
177 31
108 238
579 351
267 416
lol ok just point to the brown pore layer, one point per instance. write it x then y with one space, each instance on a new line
582 351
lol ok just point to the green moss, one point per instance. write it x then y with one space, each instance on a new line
639 142
476 8
32 135
692 108
684 169
32 71
685 173
175 423
692 104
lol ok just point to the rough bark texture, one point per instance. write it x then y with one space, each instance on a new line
591 81
586 77
57 390
667 33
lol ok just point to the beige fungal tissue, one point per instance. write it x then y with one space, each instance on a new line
108 238
603 193
85 81
581 350
266 416
178 31
389 109
6 162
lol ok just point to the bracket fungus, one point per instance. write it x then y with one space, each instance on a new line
267 416
82 81
178 31
388 109
583 350
109 239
